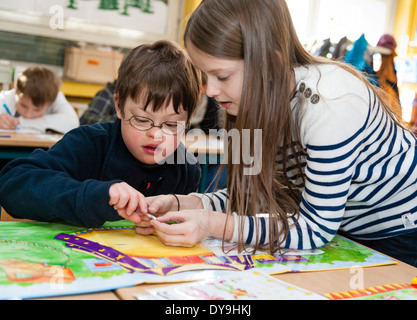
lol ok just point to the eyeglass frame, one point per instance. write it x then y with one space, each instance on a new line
153 125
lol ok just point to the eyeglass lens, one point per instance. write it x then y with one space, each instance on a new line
168 127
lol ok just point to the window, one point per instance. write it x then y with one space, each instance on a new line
316 20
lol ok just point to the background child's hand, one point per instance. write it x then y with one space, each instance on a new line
127 201
8 122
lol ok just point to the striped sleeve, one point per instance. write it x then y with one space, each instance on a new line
216 201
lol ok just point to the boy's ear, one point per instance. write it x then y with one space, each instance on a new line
116 103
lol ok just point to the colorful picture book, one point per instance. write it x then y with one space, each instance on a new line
49 259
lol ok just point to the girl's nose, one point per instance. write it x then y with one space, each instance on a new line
212 88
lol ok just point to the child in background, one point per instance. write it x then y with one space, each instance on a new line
37 104
101 108
334 157
101 172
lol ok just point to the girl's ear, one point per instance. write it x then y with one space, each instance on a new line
116 103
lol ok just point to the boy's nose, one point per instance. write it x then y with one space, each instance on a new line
156 133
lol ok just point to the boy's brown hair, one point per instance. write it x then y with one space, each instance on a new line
39 84
159 72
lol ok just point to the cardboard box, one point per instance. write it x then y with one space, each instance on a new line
92 65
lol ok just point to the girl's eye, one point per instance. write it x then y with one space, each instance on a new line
222 78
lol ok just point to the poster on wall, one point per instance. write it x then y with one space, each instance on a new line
144 15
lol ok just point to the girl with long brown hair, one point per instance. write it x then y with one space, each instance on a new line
334 158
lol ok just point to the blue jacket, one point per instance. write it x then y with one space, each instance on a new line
71 181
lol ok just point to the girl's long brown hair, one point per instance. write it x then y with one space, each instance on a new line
261 33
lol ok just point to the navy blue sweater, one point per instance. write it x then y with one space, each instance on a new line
71 181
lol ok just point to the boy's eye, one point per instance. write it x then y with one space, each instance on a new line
141 120
171 124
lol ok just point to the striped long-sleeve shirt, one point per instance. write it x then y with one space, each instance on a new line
360 167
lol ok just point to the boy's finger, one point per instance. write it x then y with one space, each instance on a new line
144 230
143 205
124 198
114 197
135 218
132 205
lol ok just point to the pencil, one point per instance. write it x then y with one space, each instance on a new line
150 216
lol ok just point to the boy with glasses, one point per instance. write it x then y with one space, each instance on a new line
102 172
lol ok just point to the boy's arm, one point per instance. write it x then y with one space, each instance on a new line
54 185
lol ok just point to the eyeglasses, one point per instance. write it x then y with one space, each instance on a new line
167 127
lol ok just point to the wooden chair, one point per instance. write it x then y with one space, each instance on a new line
7 217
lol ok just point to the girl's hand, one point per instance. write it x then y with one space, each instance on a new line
8 122
128 202
192 226
157 206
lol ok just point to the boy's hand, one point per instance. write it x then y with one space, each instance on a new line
8 122
127 201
